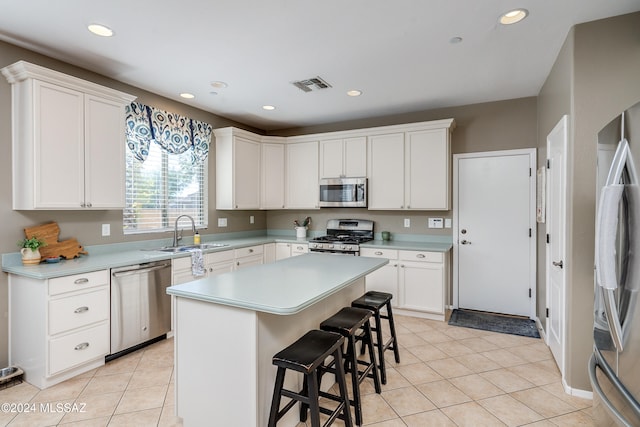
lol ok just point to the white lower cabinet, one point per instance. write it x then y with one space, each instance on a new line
418 280
59 327
214 263
286 250
246 257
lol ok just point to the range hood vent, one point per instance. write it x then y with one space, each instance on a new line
312 84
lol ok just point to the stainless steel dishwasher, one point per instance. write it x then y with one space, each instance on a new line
140 306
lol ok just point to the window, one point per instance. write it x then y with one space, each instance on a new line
163 180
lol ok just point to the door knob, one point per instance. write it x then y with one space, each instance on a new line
465 242
558 264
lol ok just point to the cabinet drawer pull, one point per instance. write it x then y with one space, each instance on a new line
81 281
420 256
378 253
250 251
299 248
81 309
82 346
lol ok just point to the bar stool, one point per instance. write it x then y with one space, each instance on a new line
353 324
306 355
375 301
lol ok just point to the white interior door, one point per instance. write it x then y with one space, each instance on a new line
494 225
556 197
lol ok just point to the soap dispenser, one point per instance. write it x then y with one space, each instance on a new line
196 238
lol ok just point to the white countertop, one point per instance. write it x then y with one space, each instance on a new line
282 287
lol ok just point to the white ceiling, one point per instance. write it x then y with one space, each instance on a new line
396 52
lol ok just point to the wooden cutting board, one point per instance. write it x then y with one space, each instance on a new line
49 233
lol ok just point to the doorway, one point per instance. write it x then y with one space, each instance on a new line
494 245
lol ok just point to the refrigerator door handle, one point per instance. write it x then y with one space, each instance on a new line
606 226
593 362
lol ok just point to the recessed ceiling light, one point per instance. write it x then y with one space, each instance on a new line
455 40
268 107
513 16
219 84
354 92
100 30
187 95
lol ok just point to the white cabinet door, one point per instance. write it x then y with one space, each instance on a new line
331 152
283 250
246 162
302 175
273 175
104 153
386 171
385 279
343 158
422 286
269 253
299 249
427 177
219 268
58 152
355 157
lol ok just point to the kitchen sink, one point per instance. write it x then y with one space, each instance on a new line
187 248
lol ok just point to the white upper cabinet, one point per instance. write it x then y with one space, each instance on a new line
427 173
386 171
273 176
343 157
68 141
238 161
302 191
410 169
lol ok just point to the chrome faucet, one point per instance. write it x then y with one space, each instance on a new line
175 229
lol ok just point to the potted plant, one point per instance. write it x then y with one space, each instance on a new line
29 250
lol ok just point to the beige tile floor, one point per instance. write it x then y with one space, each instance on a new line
448 376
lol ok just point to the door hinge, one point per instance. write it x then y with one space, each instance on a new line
548 163
529 232
547 311
548 238
529 292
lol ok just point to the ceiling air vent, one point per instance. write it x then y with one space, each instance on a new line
314 83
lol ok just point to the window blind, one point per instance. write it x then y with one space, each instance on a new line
162 188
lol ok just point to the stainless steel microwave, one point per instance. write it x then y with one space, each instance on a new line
343 192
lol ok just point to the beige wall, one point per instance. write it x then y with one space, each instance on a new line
488 126
596 79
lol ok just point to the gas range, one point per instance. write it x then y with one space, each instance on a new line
343 237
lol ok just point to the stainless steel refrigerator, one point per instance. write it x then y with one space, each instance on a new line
614 368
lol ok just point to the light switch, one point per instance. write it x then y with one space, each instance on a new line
447 223
251 219
106 230
407 222
222 222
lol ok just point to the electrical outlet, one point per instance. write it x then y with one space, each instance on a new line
447 223
222 222
407 222
252 219
106 230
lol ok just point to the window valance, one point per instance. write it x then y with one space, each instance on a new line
173 132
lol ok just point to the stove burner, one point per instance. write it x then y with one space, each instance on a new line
343 236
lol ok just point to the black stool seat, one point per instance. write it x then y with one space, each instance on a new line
376 301
306 356
348 322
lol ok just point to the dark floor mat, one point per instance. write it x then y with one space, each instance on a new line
494 322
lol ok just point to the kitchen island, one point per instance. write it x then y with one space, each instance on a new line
228 327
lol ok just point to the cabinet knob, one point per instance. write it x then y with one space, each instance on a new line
81 346
395 265
210 269
402 265
81 310
250 251
238 263
82 205
89 205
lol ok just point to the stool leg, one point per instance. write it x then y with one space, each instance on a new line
352 360
392 327
314 404
275 401
368 341
342 385
380 345
303 406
